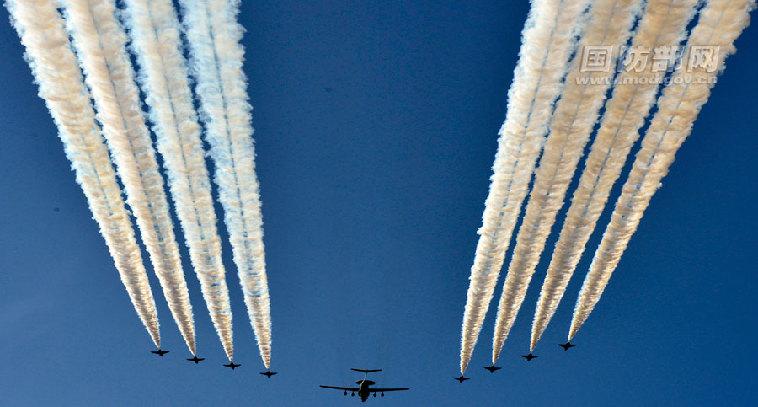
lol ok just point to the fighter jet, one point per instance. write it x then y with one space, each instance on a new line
268 373
195 359
461 379
493 368
232 365
566 346
364 388
159 352
529 357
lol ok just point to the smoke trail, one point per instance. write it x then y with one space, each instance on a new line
155 30
575 115
216 63
100 44
663 24
60 83
548 39
721 22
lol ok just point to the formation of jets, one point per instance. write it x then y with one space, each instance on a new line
364 389
528 357
196 360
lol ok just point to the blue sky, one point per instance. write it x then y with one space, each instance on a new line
376 126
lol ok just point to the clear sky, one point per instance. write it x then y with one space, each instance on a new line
376 126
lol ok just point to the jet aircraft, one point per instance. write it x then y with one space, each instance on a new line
529 357
493 368
268 373
461 379
232 365
364 388
566 346
195 359
159 352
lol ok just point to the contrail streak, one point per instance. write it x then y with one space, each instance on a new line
57 73
100 43
155 30
663 24
575 114
216 63
549 37
721 22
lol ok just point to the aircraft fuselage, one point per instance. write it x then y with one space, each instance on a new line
363 389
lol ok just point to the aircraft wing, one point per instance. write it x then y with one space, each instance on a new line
340 388
380 389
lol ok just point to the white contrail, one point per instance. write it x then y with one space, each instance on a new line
155 31
663 24
216 63
720 23
575 114
57 73
100 43
549 37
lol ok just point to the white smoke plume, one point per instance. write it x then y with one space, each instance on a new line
100 44
155 31
721 22
216 63
548 39
663 24
57 73
575 115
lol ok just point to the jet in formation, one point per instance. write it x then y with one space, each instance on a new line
268 373
195 359
159 352
493 368
364 388
529 357
461 379
566 346
232 365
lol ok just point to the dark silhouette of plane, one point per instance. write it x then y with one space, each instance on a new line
364 388
461 379
232 365
268 373
196 359
529 357
493 368
159 352
566 346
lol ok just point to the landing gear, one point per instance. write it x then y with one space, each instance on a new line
345 393
352 394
